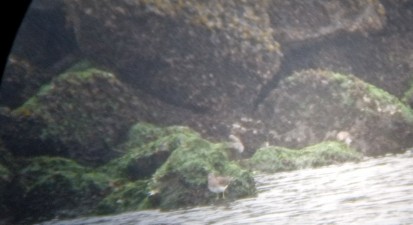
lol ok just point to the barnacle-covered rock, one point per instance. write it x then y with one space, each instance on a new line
82 113
182 179
299 21
203 55
315 105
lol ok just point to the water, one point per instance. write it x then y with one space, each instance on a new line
375 191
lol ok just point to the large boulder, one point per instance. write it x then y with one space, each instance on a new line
146 149
50 187
182 180
82 113
370 39
315 105
203 55
384 60
303 21
168 168
43 48
14 86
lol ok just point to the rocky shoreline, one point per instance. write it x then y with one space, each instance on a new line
131 104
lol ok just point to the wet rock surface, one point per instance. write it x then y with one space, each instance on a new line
375 191
278 73
80 114
212 55
297 21
315 105
44 50
157 167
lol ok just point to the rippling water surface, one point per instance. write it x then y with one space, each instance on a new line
375 191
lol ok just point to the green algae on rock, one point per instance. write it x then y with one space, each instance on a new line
70 189
182 179
82 113
177 160
131 196
276 159
236 38
315 105
146 149
408 96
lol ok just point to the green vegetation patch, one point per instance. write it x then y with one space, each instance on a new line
52 186
182 179
178 160
131 196
83 112
276 159
408 95
354 92
146 149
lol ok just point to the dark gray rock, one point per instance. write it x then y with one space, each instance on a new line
304 21
213 55
315 105
370 39
83 114
43 48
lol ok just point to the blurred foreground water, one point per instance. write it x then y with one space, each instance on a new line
374 191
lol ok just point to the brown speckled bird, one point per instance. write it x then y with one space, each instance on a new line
218 184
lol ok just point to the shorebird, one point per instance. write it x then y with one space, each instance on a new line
218 184
236 144
345 137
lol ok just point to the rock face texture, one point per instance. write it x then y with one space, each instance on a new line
43 47
315 105
210 55
148 94
80 114
298 21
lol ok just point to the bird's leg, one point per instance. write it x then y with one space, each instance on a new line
223 195
217 196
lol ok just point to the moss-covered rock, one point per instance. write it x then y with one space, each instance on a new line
36 57
147 148
48 187
238 54
408 96
276 159
82 113
383 60
160 167
315 105
182 179
178 160
131 196
14 87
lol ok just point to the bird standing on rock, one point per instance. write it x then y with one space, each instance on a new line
218 184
